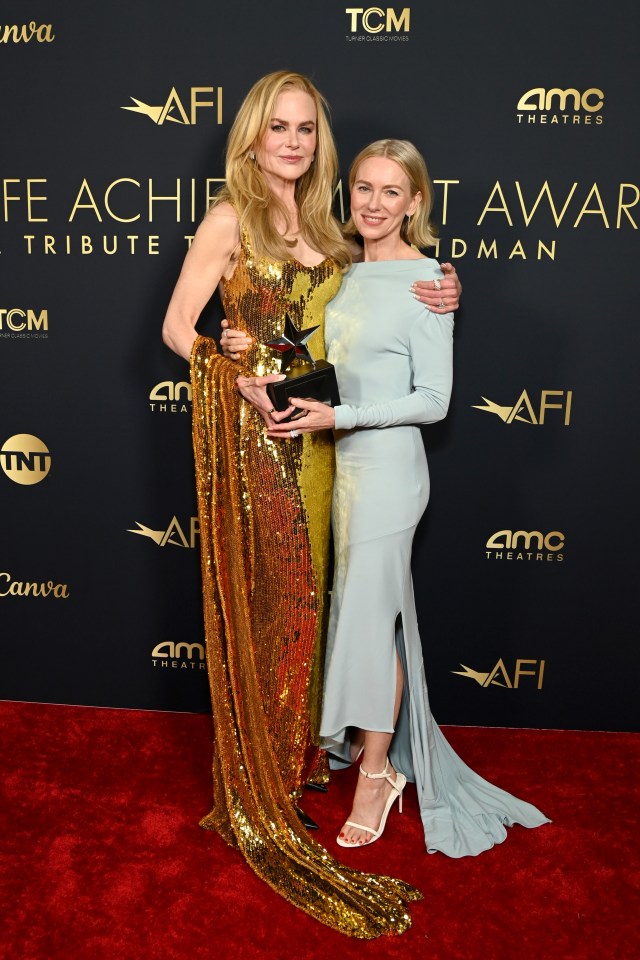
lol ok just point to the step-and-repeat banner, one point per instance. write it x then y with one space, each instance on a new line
114 123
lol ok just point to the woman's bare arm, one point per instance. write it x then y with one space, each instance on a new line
209 260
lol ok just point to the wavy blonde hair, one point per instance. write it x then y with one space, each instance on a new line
417 230
246 186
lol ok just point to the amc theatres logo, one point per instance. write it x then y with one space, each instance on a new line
556 403
498 676
175 110
170 397
525 545
25 459
17 323
174 535
555 106
178 656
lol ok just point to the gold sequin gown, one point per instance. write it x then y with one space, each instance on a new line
264 510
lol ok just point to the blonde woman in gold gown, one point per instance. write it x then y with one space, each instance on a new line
271 244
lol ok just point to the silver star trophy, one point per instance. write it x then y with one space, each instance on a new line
308 379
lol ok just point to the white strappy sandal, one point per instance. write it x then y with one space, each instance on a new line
396 794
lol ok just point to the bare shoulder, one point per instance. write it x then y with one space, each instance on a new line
221 221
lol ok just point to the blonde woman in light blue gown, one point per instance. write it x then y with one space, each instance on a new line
393 361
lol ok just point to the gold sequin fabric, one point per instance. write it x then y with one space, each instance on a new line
264 519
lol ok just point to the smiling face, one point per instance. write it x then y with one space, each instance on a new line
381 199
288 146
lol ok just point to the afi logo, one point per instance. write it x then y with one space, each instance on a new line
523 411
173 109
173 535
538 98
375 19
499 676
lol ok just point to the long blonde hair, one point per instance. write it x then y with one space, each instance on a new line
417 230
246 186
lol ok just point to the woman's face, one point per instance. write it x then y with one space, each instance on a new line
288 146
381 198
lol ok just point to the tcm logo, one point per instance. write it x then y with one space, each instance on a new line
178 656
174 110
525 545
375 19
174 535
22 588
532 670
25 32
523 410
23 323
555 105
170 397
25 459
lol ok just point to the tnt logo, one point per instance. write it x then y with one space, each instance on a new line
375 19
173 110
25 459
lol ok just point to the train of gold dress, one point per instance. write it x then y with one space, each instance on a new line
264 510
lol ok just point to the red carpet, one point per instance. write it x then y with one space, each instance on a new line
103 857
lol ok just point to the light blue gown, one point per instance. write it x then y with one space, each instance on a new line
393 362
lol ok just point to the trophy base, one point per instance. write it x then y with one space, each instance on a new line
307 383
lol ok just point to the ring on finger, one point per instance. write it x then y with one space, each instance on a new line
436 284
441 305
293 434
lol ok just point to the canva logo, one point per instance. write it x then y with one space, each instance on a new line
26 32
525 545
25 459
24 588
555 105
19 323
170 397
498 676
174 535
178 656
523 411
376 20
173 109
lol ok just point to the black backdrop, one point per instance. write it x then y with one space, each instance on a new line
524 568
